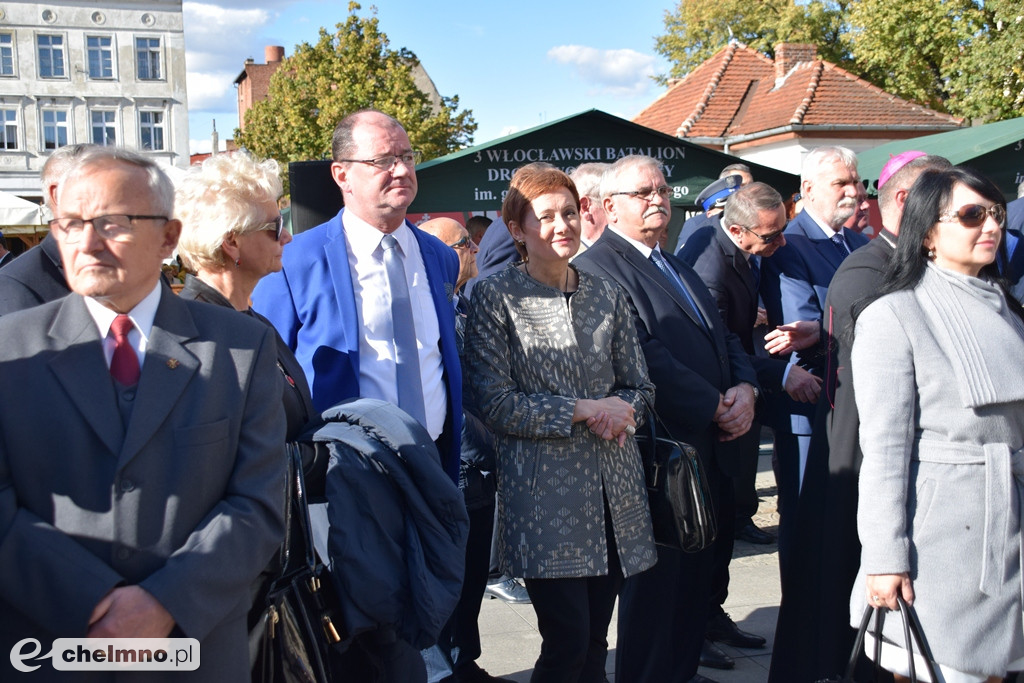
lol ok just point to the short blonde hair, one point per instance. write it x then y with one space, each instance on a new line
219 197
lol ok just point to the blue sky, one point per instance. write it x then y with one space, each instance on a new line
515 65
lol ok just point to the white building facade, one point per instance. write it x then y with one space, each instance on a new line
106 72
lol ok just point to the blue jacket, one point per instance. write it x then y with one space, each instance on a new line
312 304
794 283
398 525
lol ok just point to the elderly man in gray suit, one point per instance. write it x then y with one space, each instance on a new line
142 465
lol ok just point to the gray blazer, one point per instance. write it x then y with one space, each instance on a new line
187 502
529 357
939 385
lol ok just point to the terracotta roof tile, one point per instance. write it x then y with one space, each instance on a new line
734 93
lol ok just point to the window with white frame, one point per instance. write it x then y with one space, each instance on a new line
6 54
147 57
104 126
9 128
151 130
51 56
100 56
55 128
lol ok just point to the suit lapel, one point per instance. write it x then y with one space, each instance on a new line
344 294
655 277
825 247
168 368
82 371
737 261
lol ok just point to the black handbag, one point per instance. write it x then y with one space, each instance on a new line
682 510
913 636
296 630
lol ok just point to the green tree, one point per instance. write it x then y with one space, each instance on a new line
350 69
697 29
965 57
989 81
912 48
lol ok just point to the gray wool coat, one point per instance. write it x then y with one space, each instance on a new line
530 355
938 373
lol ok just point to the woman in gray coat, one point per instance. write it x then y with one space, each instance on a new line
555 369
938 369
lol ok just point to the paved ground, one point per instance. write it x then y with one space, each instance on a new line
511 642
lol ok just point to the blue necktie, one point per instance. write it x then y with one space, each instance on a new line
755 270
407 355
841 246
677 282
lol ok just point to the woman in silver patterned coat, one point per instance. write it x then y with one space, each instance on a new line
555 370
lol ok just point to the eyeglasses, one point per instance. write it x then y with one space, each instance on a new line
462 243
115 227
768 237
647 193
973 215
276 226
386 163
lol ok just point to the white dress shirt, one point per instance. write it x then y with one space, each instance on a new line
377 356
142 318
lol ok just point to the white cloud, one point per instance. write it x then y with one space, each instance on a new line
218 39
211 91
613 72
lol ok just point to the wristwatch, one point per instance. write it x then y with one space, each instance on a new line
757 392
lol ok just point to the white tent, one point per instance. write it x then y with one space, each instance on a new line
17 211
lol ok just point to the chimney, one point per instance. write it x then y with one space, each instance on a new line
788 55
214 139
273 53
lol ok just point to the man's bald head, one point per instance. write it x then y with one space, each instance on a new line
452 233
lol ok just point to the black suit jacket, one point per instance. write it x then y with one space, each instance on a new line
6 259
35 277
726 272
689 363
814 616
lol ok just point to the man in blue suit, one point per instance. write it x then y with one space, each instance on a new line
793 287
365 302
332 300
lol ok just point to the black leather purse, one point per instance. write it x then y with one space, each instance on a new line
913 636
682 510
293 637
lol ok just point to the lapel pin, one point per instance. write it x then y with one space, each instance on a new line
172 363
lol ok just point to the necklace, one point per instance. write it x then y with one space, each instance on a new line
565 287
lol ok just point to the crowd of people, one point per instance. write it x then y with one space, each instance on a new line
143 433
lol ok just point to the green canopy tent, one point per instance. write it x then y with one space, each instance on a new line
995 149
476 179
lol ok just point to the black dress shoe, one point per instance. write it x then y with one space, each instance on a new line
722 629
712 656
697 678
751 534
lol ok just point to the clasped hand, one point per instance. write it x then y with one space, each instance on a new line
607 417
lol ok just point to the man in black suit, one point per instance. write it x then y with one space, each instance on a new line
706 391
728 257
813 638
38 274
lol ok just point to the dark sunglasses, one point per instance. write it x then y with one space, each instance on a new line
461 243
767 238
973 215
276 226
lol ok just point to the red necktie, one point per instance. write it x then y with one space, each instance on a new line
124 365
